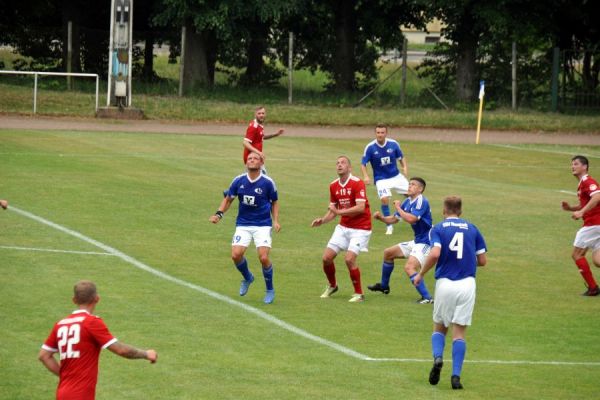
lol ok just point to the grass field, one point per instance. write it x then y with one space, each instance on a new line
166 280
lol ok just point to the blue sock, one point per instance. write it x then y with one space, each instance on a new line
438 341
459 349
243 268
385 209
268 274
422 289
386 273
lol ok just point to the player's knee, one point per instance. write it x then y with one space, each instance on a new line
237 257
264 259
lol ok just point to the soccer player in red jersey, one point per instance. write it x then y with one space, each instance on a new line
253 141
348 198
588 237
78 339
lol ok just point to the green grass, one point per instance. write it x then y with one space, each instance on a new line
150 196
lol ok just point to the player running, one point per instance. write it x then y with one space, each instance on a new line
384 154
415 211
347 198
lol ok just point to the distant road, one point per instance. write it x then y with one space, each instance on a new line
337 132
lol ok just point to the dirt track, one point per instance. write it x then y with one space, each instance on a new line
198 128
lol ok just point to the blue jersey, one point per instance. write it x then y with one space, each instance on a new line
383 159
419 207
255 198
460 243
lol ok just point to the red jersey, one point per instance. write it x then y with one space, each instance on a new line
586 189
254 135
345 195
78 340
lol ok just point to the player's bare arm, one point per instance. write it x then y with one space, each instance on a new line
275 215
278 133
133 353
567 207
253 149
223 207
594 201
481 260
323 220
47 358
359 208
390 219
404 165
365 174
430 261
408 217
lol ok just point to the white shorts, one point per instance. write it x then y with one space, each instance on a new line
354 240
245 234
588 237
420 251
384 186
454 301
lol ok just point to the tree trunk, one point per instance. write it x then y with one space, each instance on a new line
148 70
196 59
344 64
257 48
465 69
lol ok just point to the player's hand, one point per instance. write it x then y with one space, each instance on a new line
280 132
577 215
366 180
152 356
417 279
214 219
316 222
276 226
565 206
4 204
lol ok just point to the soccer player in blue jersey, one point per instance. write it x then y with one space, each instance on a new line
415 211
458 248
258 214
384 155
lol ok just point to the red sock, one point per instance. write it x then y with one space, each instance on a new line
355 277
329 270
586 273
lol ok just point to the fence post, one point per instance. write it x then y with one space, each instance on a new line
290 66
69 53
404 62
514 76
182 61
35 92
555 60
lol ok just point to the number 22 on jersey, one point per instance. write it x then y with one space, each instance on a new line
68 336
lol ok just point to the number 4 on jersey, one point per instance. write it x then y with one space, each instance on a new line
456 244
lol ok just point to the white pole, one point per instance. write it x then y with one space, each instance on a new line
97 90
110 51
290 66
69 52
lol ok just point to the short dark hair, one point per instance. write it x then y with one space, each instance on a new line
84 292
453 205
384 126
582 159
420 180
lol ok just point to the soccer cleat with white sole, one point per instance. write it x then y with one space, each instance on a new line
269 296
245 285
423 300
329 291
389 230
357 298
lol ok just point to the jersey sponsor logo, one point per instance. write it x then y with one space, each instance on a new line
249 200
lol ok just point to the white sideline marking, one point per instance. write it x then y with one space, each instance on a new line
95 253
568 192
276 321
215 295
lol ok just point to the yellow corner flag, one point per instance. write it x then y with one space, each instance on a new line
481 94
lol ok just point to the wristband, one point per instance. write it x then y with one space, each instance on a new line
219 214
